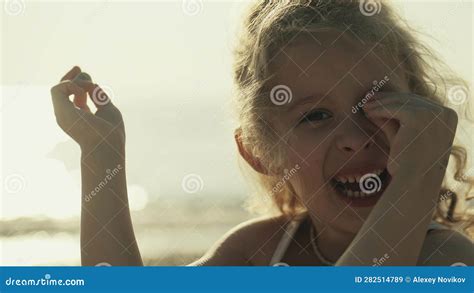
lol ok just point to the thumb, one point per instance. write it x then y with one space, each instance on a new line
389 127
98 96
80 101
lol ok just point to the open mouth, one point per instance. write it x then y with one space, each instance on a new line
361 187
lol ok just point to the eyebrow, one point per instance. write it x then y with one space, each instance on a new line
319 96
307 100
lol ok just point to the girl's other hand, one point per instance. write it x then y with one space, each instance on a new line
420 132
76 119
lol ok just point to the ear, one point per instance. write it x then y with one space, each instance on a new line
253 161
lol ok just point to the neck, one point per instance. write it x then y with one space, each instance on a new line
331 240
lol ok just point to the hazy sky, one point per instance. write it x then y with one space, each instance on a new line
169 71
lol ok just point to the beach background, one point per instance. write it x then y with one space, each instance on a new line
168 66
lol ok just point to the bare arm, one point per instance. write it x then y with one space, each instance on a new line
420 150
447 248
397 226
106 228
107 235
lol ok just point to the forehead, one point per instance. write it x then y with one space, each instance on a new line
333 62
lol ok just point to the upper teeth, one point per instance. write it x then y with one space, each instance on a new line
356 177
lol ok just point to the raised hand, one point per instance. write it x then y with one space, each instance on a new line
76 118
420 131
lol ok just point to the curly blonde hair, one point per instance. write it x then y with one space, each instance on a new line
271 25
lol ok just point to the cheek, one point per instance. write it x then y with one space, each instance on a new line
311 173
309 150
308 147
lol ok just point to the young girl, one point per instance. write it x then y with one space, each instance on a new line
344 119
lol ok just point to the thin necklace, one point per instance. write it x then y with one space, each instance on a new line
316 250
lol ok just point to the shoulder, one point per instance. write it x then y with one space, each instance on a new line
445 248
243 244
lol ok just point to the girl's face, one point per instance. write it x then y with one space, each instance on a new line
324 129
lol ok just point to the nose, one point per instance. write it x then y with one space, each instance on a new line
355 135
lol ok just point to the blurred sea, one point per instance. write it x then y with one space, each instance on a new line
169 232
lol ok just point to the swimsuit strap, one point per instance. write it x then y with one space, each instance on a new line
293 226
285 241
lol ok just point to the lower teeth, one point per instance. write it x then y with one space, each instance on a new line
356 194
346 188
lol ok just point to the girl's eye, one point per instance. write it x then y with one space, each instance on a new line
316 116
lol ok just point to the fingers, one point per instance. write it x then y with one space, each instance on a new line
385 111
105 108
387 98
389 128
60 94
69 118
72 73
81 100
102 101
75 118
98 96
82 77
389 118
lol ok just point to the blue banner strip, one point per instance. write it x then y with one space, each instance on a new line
237 279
